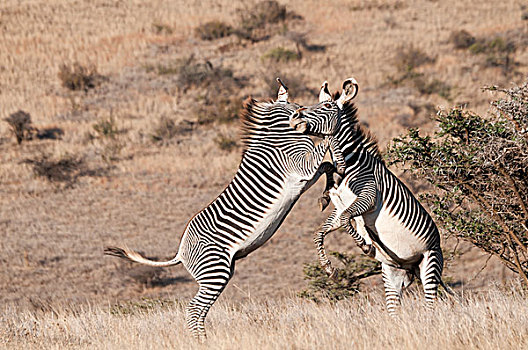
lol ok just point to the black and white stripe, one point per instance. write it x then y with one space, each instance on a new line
278 165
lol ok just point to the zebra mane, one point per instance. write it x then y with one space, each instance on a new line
260 119
350 115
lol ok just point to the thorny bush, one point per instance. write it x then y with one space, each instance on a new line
479 166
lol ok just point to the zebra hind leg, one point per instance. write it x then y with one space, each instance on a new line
430 273
394 280
212 281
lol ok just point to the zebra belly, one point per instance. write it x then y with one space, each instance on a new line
397 239
395 236
273 218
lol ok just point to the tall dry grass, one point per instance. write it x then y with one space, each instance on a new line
494 320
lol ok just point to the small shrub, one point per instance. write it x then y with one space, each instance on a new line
433 86
280 54
78 77
408 58
106 128
166 129
225 143
20 126
64 169
220 109
498 52
160 28
260 21
213 30
462 39
347 282
195 73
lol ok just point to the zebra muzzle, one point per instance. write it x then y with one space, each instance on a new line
298 123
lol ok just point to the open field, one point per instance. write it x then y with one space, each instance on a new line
136 179
493 320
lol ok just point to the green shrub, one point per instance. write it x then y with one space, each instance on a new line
479 166
347 282
106 128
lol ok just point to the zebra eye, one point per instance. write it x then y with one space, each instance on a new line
328 105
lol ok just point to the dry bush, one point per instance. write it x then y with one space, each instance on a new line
166 129
261 21
78 77
160 28
408 58
20 126
462 39
347 281
213 30
281 54
193 73
225 142
479 166
66 168
106 128
217 108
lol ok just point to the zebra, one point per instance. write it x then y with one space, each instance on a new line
278 164
392 226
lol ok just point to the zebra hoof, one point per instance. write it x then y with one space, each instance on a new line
369 250
323 202
331 272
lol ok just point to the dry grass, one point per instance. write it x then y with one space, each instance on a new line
495 320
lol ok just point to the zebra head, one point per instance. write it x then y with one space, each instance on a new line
324 118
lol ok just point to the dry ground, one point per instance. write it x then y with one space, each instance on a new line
492 320
142 193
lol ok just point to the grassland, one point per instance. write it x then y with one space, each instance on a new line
137 181
494 320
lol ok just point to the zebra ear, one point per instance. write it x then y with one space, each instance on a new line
324 94
350 90
282 96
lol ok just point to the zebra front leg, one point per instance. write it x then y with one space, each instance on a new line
331 224
346 222
394 280
431 268
329 170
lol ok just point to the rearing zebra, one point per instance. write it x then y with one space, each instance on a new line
278 165
394 227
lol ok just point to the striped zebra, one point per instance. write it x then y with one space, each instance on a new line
393 226
278 164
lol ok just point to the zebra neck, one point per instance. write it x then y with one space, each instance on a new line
355 142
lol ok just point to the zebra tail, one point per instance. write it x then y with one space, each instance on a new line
133 256
449 291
